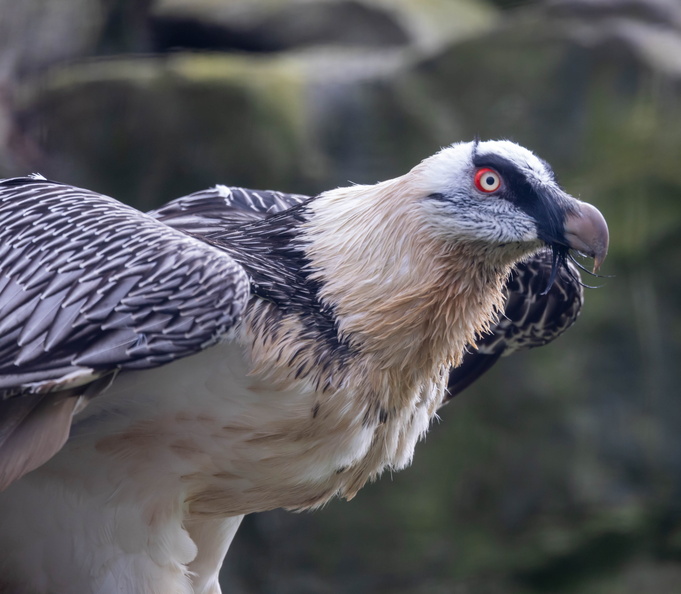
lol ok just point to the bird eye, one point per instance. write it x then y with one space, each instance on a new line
487 180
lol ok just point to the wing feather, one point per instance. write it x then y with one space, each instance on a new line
89 286
201 213
530 319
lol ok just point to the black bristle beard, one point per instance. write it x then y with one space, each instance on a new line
559 259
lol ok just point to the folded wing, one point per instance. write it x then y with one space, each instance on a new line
90 287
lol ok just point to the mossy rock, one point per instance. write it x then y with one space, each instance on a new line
146 130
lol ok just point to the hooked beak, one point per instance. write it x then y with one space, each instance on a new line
586 231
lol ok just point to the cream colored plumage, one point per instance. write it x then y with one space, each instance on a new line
340 319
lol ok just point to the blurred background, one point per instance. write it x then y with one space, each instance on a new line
558 472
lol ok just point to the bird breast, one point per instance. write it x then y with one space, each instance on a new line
236 442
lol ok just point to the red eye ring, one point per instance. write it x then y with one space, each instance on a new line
487 180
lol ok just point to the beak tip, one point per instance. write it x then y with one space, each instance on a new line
587 231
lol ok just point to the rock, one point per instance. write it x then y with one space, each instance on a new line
281 27
264 26
35 34
146 129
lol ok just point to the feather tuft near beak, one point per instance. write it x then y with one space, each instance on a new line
587 232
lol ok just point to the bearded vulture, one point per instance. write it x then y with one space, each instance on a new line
537 307
163 374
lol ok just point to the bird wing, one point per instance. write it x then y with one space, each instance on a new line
530 319
201 213
89 287
88 284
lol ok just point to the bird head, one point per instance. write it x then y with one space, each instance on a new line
419 262
500 194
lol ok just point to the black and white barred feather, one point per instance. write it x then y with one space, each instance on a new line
260 229
532 316
207 211
89 286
